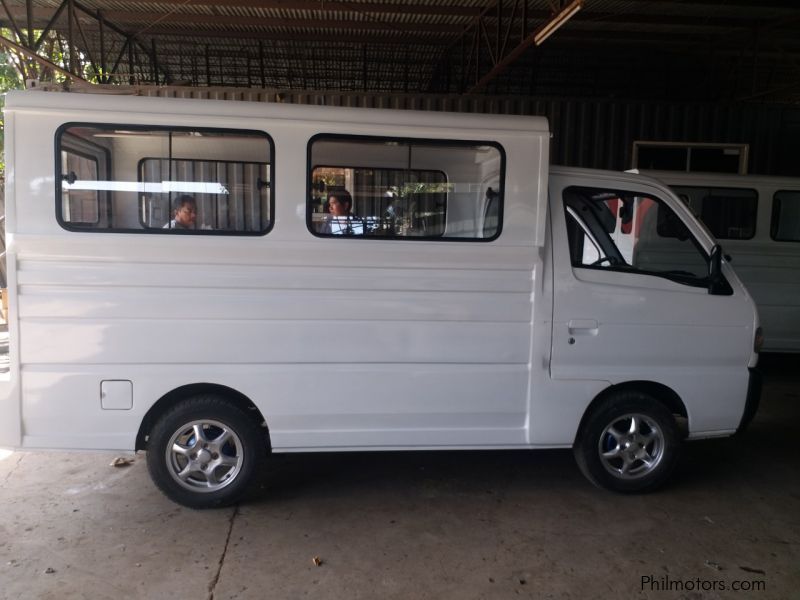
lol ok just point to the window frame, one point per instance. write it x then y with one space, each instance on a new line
441 142
587 234
87 156
630 269
774 216
167 128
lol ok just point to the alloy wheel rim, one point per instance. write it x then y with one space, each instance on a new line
631 446
204 456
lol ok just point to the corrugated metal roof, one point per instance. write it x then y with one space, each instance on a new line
745 49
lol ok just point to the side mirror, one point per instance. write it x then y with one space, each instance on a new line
717 285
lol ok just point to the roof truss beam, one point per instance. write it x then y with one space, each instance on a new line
489 40
29 54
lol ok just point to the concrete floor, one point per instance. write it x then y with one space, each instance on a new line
417 525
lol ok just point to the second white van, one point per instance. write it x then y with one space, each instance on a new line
757 221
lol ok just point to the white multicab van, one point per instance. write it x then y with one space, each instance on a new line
463 306
757 220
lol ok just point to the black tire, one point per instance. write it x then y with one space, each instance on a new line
629 443
204 451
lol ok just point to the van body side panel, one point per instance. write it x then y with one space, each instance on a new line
771 272
341 343
10 399
344 364
10 393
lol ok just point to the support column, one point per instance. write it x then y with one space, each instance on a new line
261 66
154 60
131 76
103 66
71 66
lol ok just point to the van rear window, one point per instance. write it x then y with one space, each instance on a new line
785 226
729 213
391 188
133 178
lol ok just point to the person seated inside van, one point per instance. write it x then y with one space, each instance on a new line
185 214
341 220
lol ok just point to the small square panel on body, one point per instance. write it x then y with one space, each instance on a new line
116 394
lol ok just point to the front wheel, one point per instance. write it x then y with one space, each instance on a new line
629 443
204 451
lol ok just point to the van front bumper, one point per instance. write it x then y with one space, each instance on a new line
753 399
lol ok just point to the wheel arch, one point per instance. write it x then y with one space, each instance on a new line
658 391
234 397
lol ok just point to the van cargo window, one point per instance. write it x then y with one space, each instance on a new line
133 178
625 231
400 188
785 226
729 213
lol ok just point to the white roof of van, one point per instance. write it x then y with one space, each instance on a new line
98 103
720 179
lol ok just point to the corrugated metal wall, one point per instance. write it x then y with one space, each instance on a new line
586 133
601 134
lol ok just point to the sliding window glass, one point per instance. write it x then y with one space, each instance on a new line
164 180
81 160
404 189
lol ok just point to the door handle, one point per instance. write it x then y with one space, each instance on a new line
583 327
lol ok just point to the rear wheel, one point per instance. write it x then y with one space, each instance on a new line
204 451
629 443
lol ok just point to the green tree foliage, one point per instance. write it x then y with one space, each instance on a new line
10 79
16 68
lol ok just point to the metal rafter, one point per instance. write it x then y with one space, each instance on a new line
49 25
377 45
29 54
488 56
78 16
13 22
